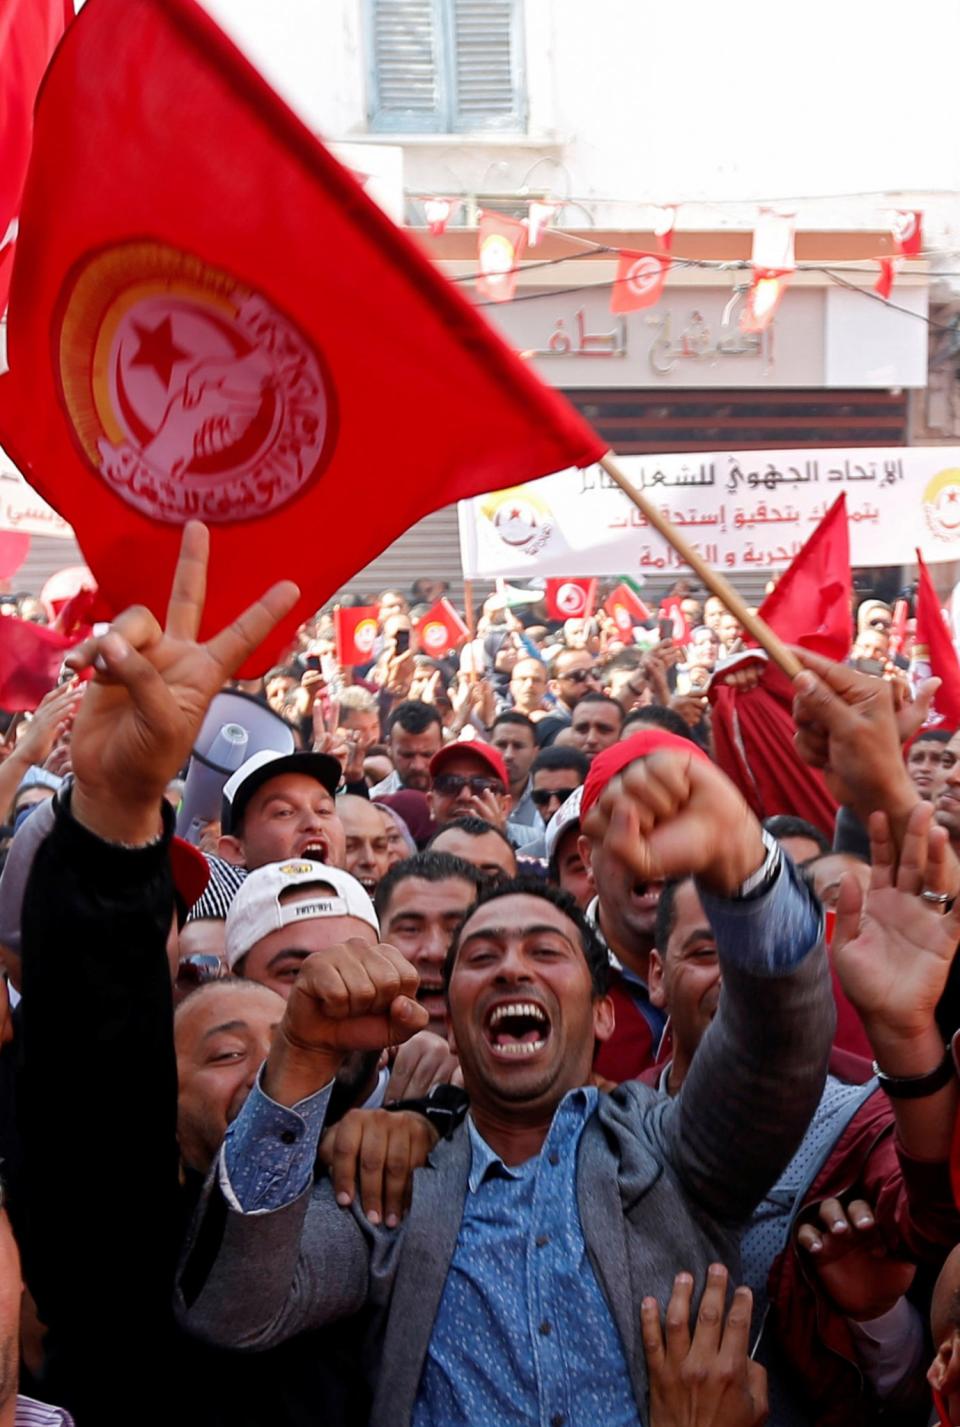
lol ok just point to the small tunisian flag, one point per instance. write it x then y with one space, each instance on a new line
811 603
356 634
934 636
440 630
500 245
227 327
571 599
639 281
29 32
30 660
625 608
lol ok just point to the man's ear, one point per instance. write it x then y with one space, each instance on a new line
231 850
506 802
656 984
604 1018
944 1373
584 847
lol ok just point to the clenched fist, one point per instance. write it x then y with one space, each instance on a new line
352 997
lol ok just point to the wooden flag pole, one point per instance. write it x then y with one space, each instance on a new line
471 629
781 655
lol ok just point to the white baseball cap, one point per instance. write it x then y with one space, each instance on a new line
567 813
257 909
261 767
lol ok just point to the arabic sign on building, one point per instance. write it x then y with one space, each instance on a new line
820 337
22 509
741 511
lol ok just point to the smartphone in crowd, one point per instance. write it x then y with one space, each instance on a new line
402 641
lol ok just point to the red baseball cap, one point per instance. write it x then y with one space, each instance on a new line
613 760
191 871
484 751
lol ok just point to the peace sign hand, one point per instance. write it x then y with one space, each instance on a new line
150 691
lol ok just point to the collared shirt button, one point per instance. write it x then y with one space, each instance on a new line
542 1240
546 1329
553 1158
288 1137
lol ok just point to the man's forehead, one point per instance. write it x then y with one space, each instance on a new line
290 785
518 910
417 894
688 911
244 1002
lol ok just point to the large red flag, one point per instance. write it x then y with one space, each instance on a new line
29 31
227 327
811 603
30 660
934 636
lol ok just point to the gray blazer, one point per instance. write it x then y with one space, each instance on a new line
663 1185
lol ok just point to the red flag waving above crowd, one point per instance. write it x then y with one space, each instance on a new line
571 599
811 604
29 30
934 636
440 629
356 633
229 328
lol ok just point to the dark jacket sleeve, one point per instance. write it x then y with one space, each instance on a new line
97 1104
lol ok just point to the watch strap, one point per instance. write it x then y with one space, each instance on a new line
917 1087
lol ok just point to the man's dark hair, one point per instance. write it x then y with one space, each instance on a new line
429 867
555 760
934 735
626 659
594 951
515 717
786 825
281 671
598 698
473 827
667 913
658 716
413 717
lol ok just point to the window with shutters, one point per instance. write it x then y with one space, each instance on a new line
445 66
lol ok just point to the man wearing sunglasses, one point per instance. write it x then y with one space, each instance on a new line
572 675
471 780
556 773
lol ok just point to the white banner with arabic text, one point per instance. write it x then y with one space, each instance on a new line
751 510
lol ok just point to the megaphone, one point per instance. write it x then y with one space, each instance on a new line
236 727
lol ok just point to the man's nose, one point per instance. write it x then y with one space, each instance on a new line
433 947
513 965
953 777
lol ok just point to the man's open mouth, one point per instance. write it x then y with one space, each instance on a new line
314 851
517 1029
646 895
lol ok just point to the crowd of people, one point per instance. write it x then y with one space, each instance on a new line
487 1057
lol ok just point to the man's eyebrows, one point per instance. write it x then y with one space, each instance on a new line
300 951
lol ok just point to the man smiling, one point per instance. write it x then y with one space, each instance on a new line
512 1291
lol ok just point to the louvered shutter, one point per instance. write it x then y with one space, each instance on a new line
408 89
486 64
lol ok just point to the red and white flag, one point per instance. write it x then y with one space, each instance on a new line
571 599
29 33
639 281
178 350
672 608
440 630
625 609
539 215
438 212
884 283
664 222
500 245
356 633
906 225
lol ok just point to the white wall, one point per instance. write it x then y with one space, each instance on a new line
650 102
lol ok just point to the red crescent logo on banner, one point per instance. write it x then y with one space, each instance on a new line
621 617
189 393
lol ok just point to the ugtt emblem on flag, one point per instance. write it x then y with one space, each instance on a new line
189 393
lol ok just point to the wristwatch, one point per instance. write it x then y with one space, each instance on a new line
766 874
917 1087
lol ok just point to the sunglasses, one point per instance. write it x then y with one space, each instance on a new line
203 966
578 676
453 783
540 797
